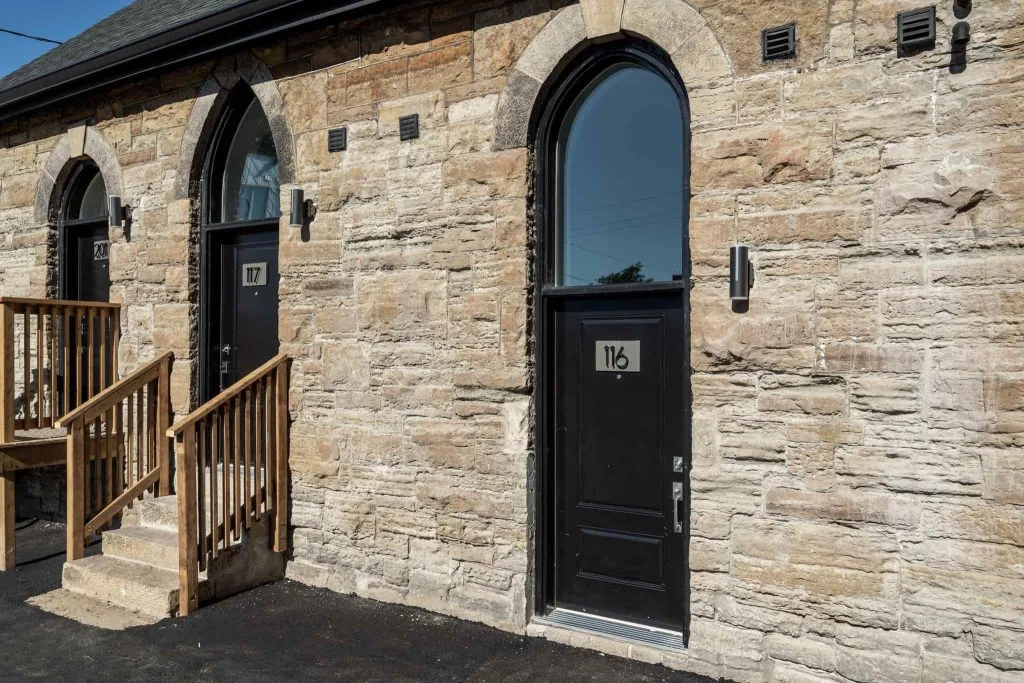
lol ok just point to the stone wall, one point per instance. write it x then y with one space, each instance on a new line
858 480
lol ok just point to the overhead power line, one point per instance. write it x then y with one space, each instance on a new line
25 35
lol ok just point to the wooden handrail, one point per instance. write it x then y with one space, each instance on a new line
103 401
117 450
61 303
225 396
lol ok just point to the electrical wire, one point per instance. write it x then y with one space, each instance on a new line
30 37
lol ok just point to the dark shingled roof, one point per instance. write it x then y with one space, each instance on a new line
140 20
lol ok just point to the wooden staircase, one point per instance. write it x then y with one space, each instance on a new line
224 531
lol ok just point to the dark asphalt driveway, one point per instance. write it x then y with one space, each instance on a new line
283 631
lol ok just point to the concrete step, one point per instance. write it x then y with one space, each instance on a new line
132 585
146 544
160 513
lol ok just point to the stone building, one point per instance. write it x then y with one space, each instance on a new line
847 445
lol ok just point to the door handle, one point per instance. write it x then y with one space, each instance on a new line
677 498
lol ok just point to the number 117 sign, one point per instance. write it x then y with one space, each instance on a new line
617 356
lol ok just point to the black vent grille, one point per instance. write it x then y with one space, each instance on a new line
915 30
778 42
409 127
337 140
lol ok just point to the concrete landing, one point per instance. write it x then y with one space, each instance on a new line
89 611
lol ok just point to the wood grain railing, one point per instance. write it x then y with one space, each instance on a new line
232 468
56 355
117 450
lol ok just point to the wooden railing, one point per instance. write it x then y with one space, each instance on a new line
56 355
232 468
117 450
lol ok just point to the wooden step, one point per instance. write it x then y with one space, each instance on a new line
134 586
157 546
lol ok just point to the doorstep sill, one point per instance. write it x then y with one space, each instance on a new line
615 629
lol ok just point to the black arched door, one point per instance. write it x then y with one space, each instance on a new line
241 208
614 343
85 238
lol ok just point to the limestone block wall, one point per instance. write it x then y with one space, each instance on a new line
858 479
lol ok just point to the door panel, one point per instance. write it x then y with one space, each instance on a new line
243 318
619 389
87 253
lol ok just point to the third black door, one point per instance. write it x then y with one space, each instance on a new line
621 436
243 304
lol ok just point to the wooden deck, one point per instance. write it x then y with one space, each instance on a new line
30 449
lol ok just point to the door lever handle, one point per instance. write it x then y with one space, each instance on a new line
677 498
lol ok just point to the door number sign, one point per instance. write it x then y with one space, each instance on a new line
101 250
254 274
617 356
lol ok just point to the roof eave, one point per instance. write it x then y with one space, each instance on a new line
228 30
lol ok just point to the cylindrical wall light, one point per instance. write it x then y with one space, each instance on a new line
961 33
298 218
740 273
115 211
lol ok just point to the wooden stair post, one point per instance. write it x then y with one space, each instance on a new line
7 555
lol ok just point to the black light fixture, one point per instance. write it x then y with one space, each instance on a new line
961 33
741 272
119 215
303 210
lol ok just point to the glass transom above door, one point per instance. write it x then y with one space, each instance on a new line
622 182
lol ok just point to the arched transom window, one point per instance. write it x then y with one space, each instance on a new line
621 181
242 179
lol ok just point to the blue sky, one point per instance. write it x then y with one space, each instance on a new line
55 19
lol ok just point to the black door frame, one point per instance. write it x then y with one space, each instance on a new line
558 100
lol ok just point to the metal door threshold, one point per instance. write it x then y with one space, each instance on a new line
640 634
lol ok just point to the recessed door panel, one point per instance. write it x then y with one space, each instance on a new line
620 452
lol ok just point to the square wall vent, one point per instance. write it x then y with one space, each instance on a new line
778 42
337 140
915 30
409 127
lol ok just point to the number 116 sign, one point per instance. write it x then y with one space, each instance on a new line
617 356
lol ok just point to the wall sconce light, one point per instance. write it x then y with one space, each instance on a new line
119 215
961 33
741 272
303 211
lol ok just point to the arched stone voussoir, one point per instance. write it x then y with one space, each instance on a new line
673 25
244 67
91 144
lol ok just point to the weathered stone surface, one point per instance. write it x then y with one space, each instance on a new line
856 490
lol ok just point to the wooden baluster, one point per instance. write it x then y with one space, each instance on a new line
261 406
140 433
76 491
26 370
151 421
281 458
202 435
54 327
7 538
214 442
66 347
247 457
79 325
271 445
188 566
226 472
129 450
90 353
40 390
236 451
163 417
108 458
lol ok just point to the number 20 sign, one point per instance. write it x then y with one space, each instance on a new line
617 356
